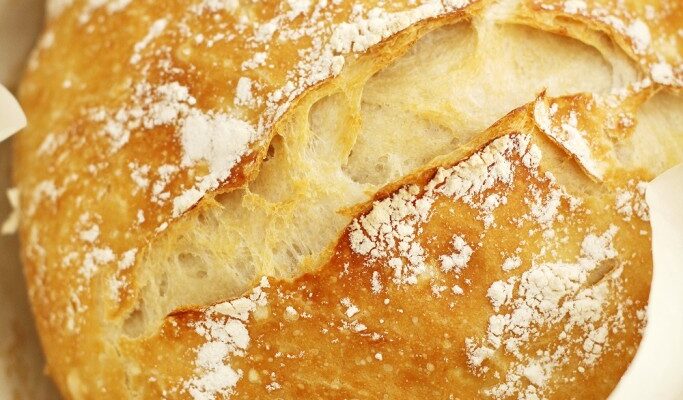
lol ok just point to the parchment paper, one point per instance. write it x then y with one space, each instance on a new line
21 360
656 371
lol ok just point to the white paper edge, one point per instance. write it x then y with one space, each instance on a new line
656 371
12 118
11 224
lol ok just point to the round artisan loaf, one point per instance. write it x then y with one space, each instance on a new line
345 199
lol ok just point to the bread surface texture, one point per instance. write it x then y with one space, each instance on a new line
345 199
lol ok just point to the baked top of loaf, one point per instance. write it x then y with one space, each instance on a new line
177 153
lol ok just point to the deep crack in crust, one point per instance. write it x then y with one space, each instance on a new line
356 328
120 141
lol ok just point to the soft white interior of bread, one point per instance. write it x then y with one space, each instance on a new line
655 143
335 151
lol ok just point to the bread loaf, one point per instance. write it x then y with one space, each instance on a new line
345 199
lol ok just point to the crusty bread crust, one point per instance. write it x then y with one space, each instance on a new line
141 114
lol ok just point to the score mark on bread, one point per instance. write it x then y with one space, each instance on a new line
419 297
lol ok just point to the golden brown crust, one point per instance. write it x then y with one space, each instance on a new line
88 209
648 31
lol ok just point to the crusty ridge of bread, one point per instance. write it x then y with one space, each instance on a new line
124 162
